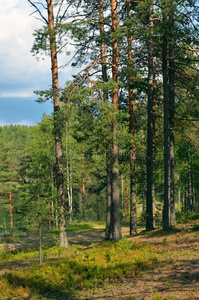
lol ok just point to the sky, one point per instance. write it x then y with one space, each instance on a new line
21 73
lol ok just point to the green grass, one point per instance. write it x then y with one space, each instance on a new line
79 269
69 271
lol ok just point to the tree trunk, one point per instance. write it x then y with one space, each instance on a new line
133 209
126 202
49 215
171 113
108 231
71 194
11 215
68 179
83 191
150 220
166 209
190 195
122 190
179 198
194 198
115 220
183 202
63 240
40 242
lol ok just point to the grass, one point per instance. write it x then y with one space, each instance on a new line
78 269
81 269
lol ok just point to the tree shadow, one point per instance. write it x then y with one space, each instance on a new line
159 232
73 276
39 287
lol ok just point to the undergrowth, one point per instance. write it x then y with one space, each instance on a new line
67 272
80 269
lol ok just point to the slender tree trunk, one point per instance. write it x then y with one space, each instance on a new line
83 191
71 194
166 209
115 220
103 46
143 206
171 113
190 196
63 240
133 209
98 207
194 198
68 178
183 202
122 188
52 203
179 198
49 215
126 202
11 215
150 220
154 144
40 242
108 231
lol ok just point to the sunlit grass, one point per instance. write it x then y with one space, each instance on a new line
69 271
83 269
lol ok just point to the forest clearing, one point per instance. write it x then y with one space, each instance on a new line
151 265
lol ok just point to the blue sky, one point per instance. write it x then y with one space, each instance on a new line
21 73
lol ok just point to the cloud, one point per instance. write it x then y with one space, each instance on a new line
2 123
20 69
22 94
25 122
21 73
21 123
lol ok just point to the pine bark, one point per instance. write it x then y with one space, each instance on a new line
115 219
126 202
190 194
133 209
108 231
63 240
172 112
166 209
11 214
40 241
150 220
83 191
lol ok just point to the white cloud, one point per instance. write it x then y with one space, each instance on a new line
21 73
2 123
22 94
23 122
18 65
16 39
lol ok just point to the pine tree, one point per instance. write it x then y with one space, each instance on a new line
63 241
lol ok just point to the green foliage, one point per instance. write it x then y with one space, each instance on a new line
185 217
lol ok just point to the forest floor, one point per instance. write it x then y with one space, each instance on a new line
177 280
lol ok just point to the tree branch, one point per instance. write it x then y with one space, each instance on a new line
38 10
